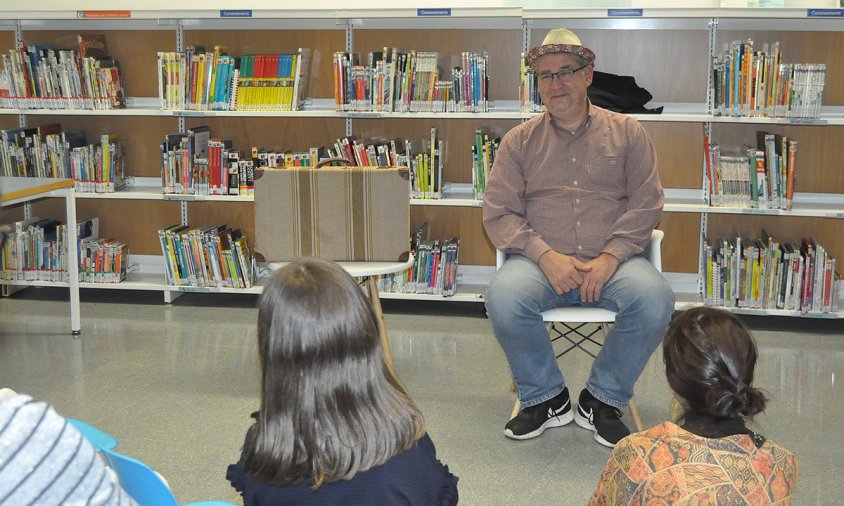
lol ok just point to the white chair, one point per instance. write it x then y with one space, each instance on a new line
568 322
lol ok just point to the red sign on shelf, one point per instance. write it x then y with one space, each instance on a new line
103 14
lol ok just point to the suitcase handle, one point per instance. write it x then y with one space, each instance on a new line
404 173
330 161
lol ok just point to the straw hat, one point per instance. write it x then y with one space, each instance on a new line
560 40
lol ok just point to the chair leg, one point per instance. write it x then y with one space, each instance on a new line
516 408
375 300
637 419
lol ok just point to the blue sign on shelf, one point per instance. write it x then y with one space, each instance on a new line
625 13
825 13
238 13
433 12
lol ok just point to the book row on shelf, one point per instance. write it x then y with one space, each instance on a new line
763 177
400 80
426 169
48 151
36 250
209 256
750 82
766 274
195 163
427 166
202 80
103 260
434 270
483 157
746 82
741 272
38 76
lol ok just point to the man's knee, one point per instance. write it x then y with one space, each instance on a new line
495 301
503 296
651 299
509 295
659 295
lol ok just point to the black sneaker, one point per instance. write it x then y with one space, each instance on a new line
532 421
602 419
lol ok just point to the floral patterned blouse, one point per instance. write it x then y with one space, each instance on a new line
669 465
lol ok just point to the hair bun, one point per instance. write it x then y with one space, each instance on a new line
725 403
744 401
753 401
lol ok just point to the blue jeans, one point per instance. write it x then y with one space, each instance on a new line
644 303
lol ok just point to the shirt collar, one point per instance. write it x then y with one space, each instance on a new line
583 126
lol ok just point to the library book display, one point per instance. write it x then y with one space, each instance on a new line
693 60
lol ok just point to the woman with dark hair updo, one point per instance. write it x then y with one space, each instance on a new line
709 457
334 426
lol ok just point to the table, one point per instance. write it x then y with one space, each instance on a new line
16 190
368 271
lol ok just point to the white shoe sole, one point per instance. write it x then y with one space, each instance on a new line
584 422
557 421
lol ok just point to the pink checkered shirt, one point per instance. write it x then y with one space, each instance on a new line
580 193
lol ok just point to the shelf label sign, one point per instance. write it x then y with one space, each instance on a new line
625 13
825 13
433 12
103 14
364 115
236 13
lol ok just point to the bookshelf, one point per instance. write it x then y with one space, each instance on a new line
666 49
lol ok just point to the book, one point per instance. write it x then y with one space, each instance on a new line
112 174
807 249
110 79
791 176
92 45
299 92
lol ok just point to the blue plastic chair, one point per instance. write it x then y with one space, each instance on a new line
99 439
146 486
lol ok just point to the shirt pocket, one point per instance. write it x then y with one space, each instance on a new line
607 177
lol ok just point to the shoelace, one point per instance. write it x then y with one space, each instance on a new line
605 411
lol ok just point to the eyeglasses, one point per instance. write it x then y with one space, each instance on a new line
562 74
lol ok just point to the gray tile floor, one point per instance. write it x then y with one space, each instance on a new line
175 384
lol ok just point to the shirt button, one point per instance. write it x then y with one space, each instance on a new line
580 247
575 183
578 223
573 159
577 201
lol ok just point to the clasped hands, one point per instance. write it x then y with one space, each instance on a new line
565 273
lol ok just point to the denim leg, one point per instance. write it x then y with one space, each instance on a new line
644 302
514 300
